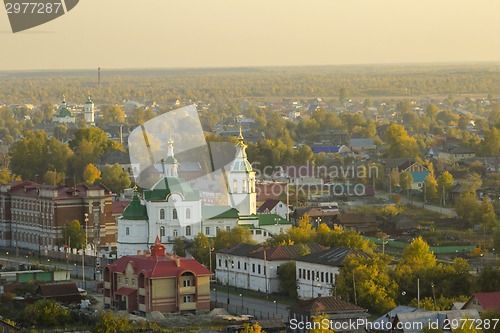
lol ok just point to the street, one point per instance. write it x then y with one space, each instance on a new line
259 308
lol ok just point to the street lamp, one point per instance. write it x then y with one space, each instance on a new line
241 295
215 289
276 303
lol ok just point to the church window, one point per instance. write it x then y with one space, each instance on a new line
188 213
244 186
127 231
228 228
175 232
217 230
162 214
207 231
162 231
174 214
188 230
235 186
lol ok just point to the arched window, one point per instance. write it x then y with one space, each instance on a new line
188 213
175 232
174 214
162 214
235 186
217 230
244 186
127 231
188 230
162 231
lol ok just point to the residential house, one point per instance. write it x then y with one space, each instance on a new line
339 312
156 281
362 145
400 224
256 267
274 206
456 154
316 272
364 224
60 292
483 302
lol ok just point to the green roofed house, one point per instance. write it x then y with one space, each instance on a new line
419 179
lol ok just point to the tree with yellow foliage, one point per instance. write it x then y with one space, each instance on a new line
321 324
255 328
91 174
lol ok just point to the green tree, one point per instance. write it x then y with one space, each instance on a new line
201 249
467 208
431 111
179 247
73 234
288 279
114 178
489 279
35 154
91 174
487 216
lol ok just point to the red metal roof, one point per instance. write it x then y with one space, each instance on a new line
159 266
489 301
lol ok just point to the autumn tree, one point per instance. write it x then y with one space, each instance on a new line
466 207
375 289
54 178
91 174
255 328
112 113
445 184
237 235
431 188
400 144
321 324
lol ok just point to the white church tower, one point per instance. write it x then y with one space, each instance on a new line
241 182
88 111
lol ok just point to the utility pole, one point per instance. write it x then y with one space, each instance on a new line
84 283
354 286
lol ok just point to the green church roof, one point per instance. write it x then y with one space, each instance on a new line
136 210
64 113
169 185
219 212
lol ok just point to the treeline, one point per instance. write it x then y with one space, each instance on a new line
214 86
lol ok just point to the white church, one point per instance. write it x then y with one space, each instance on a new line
172 208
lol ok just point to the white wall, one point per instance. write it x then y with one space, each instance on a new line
313 287
248 278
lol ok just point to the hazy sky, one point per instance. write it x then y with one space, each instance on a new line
208 33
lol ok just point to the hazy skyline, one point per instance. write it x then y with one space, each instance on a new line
223 33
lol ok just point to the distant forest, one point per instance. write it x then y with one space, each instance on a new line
221 85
